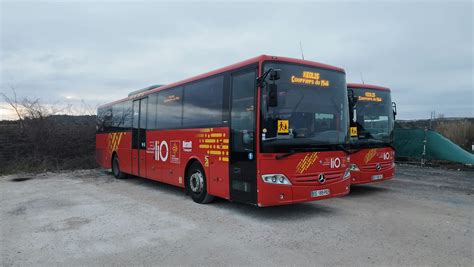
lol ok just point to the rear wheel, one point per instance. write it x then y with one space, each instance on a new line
116 168
197 186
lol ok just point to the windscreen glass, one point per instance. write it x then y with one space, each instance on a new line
311 110
373 116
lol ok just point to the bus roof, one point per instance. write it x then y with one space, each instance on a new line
367 86
258 59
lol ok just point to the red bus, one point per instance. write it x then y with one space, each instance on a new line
265 131
372 117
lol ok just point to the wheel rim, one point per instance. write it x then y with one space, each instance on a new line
196 182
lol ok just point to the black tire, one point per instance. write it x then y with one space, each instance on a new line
197 185
116 168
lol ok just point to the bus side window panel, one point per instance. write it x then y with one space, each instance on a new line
115 127
107 119
202 106
169 116
203 109
101 138
125 146
243 118
152 165
107 129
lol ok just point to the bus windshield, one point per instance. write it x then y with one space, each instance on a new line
374 117
312 109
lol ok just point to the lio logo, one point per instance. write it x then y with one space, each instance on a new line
335 163
161 150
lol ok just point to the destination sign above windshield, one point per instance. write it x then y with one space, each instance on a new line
310 78
371 97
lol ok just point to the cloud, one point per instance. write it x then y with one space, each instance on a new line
100 51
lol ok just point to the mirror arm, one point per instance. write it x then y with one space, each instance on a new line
262 78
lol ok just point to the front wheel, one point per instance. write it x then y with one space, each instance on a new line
116 168
196 182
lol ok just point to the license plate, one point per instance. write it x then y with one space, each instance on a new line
377 177
320 193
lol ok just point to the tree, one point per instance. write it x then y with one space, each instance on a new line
14 104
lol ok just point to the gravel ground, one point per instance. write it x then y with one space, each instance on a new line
422 217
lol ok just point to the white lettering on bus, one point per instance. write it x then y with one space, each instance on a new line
159 149
187 146
335 163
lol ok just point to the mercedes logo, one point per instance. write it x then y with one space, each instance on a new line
322 178
378 167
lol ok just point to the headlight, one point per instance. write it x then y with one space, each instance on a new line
275 179
393 164
347 174
354 168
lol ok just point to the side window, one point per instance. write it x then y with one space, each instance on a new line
107 119
143 114
127 114
169 108
100 120
135 118
203 102
151 111
243 111
117 116
135 114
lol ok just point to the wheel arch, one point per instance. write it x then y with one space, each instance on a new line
192 160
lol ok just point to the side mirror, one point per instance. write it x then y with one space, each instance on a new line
394 107
275 75
352 97
272 95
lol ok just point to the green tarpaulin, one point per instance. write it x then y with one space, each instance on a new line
409 144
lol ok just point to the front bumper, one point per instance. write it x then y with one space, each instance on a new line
365 177
274 195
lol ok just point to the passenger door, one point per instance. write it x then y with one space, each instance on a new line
139 137
242 162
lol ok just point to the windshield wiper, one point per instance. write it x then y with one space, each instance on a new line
380 144
343 148
336 146
296 150
324 147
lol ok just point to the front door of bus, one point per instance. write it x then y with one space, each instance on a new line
242 162
139 137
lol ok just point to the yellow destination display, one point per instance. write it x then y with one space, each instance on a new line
353 131
310 78
283 126
370 96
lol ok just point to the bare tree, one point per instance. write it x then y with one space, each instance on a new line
87 109
14 104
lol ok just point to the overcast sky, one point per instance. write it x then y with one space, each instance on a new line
99 51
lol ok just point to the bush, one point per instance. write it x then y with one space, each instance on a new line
49 143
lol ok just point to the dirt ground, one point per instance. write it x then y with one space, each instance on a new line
422 217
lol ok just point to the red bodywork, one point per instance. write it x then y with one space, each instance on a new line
210 146
372 162
303 170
